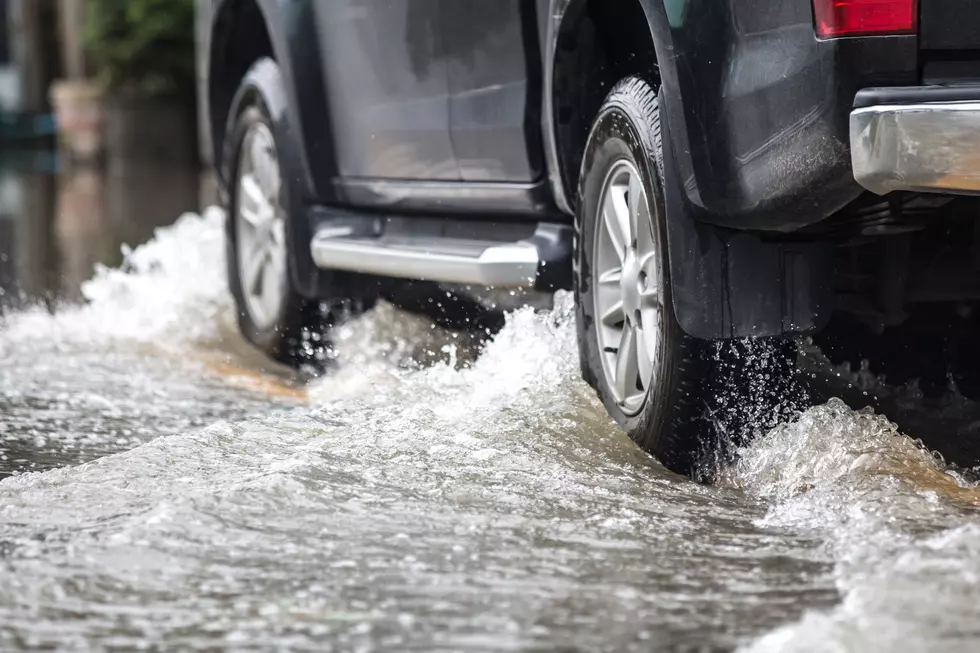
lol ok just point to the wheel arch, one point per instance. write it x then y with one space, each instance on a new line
246 31
592 45
726 284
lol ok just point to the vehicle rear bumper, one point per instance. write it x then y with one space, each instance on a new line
917 139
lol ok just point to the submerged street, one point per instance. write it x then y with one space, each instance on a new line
164 486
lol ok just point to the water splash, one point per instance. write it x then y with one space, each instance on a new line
171 290
893 516
140 358
430 499
752 386
454 504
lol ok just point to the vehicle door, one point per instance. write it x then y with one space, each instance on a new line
494 66
387 83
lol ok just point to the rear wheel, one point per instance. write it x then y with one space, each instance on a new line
649 374
272 314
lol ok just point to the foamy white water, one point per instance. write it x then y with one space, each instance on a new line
415 500
171 289
900 530
136 361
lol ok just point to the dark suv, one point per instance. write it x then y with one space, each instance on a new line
695 169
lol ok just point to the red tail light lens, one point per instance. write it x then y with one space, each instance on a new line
864 17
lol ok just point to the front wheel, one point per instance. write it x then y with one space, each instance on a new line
648 373
272 314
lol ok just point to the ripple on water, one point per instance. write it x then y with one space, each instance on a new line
489 507
92 380
447 506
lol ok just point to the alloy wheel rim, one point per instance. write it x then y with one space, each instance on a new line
626 287
261 227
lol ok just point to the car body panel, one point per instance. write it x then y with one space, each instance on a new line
294 41
949 24
433 90
761 141
494 65
550 14
387 84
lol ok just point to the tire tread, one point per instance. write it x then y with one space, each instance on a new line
674 424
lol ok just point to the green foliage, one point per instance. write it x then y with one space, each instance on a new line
142 46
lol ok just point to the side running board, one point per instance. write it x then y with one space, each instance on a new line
499 264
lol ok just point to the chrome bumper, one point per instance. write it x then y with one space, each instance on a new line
933 147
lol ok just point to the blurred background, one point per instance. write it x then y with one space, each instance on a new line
99 135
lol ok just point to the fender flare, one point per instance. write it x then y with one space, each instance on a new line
291 27
552 14
726 283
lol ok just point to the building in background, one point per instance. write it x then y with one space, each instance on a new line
10 93
30 58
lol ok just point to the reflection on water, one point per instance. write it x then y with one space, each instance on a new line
69 405
57 225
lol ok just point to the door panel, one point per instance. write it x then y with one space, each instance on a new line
494 65
387 84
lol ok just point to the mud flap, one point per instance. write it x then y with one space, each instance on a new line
732 284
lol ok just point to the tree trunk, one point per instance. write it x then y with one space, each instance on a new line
72 28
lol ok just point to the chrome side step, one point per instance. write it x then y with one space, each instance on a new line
447 260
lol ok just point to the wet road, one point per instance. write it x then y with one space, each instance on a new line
417 499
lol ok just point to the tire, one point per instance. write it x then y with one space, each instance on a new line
272 314
668 417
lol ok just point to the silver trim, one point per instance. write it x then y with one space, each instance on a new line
260 227
500 265
923 147
626 287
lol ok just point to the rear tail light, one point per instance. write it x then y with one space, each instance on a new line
834 18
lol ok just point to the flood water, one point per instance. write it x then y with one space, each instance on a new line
166 488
